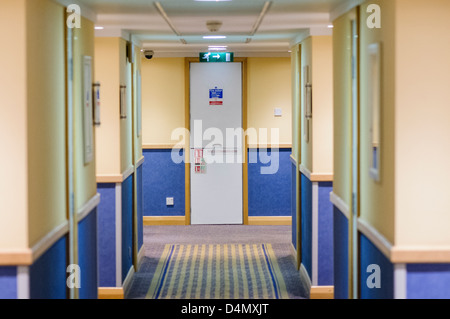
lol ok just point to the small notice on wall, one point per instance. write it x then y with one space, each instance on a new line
199 162
216 97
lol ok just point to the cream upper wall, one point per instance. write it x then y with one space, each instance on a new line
126 124
108 133
306 60
13 127
422 122
317 153
136 96
84 175
295 85
342 107
269 87
46 118
114 140
378 198
322 121
163 99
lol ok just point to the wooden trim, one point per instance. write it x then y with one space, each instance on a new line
164 220
157 146
322 292
293 160
140 162
375 237
316 177
128 280
269 146
298 186
294 252
16 257
49 240
127 173
340 204
244 127
270 221
88 207
140 258
107 179
420 254
115 178
111 293
187 125
305 171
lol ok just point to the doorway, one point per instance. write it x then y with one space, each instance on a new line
217 143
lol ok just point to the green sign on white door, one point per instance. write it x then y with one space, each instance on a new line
216 57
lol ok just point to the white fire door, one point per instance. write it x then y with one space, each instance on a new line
216 143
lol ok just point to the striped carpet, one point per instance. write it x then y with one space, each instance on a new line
218 271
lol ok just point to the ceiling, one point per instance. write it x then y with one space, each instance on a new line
177 27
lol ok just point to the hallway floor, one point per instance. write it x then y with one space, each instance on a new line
157 237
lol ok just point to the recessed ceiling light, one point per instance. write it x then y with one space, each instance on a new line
330 26
99 28
214 37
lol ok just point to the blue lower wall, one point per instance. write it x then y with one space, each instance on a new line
325 244
140 208
127 226
48 274
87 256
107 235
294 203
369 254
8 282
162 178
340 261
428 281
306 221
269 194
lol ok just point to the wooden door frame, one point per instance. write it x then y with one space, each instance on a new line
354 242
187 146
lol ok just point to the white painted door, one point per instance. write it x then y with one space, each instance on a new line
216 108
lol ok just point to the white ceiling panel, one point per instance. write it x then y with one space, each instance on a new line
282 23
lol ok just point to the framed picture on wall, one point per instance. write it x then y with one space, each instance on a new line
87 110
123 101
374 108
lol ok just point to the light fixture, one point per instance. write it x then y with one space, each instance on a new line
214 37
330 26
217 47
99 28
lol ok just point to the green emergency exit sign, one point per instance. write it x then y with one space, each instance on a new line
216 57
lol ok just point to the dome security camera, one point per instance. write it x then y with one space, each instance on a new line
213 26
148 54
